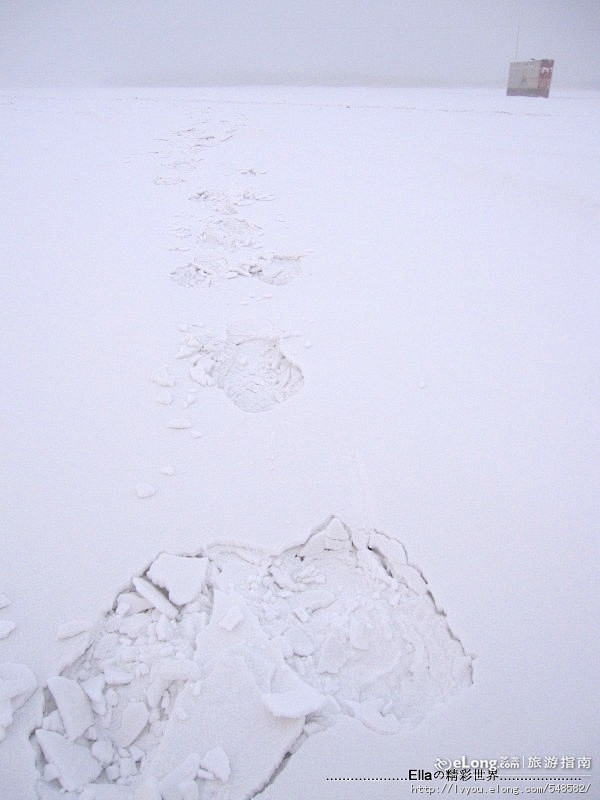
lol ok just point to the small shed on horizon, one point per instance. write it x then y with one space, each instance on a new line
530 78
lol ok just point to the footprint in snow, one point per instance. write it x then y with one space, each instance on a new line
249 367
211 671
210 268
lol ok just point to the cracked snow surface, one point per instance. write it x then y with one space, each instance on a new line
248 365
211 671
222 244
208 268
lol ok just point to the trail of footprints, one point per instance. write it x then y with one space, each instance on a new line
247 365
250 369
211 671
223 244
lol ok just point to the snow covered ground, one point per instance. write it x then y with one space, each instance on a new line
279 331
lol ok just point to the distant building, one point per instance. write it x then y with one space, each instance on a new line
530 78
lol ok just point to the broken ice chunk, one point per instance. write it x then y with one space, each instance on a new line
92 733
188 790
390 549
103 751
70 629
134 625
300 642
155 596
184 772
162 377
126 767
336 536
231 619
144 490
360 539
372 565
205 775
333 655
73 705
182 577
76 766
50 773
394 556
336 530
282 579
360 634
168 470
17 684
315 544
412 578
6 628
4 601
294 703
217 762
133 722
164 630
116 675
226 712
200 376
314 599
302 614
131 603
53 722
136 753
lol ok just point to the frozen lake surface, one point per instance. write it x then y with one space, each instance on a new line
300 439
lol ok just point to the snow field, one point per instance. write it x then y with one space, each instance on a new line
448 396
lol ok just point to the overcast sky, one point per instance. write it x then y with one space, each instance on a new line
200 42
